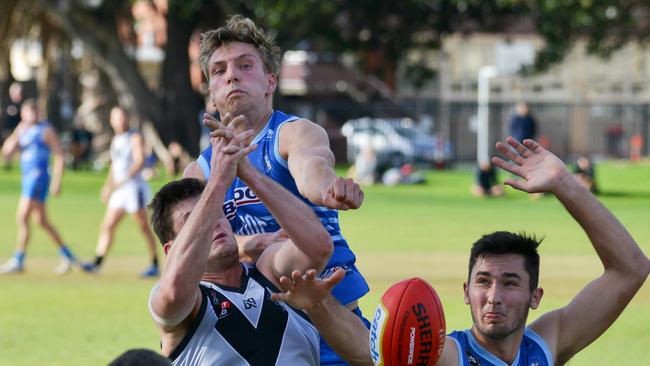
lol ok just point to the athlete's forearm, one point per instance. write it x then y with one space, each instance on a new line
313 173
57 173
343 331
613 243
11 145
186 259
294 216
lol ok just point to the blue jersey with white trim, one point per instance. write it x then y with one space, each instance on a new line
248 216
34 152
533 351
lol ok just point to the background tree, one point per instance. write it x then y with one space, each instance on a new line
604 25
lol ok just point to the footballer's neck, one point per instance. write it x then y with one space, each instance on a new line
505 349
258 117
230 276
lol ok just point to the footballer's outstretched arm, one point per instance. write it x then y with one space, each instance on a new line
308 245
305 145
573 327
186 263
343 331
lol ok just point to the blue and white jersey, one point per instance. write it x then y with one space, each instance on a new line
248 216
34 152
532 352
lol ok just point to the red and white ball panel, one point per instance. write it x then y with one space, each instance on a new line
408 327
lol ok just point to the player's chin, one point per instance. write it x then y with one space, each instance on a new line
496 331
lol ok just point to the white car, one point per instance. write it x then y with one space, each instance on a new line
394 142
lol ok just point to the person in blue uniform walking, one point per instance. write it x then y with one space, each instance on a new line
36 140
241 64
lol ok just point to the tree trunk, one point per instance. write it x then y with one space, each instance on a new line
181 104
103 43
7 8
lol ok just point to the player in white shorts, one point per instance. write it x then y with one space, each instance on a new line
126 192
131 197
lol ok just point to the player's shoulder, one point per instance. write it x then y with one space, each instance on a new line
301 129
135 135
449 355
48 131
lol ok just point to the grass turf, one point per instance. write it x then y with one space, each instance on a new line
399 232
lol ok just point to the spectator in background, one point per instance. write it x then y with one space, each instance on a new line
364 169
11 115
585 173
405 174
486 184
522 123
180 157
80 144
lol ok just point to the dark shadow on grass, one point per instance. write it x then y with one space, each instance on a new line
626 194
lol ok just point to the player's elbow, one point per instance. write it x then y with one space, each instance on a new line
632 278
174 292
638 271
323 249
328 246
643 270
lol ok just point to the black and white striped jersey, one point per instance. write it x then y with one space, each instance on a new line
243 326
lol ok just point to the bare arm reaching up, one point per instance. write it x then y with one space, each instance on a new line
570 329
342 330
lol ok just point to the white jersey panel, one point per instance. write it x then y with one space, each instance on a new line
244 327
211 349
122 157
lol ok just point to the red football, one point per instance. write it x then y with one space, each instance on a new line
408 327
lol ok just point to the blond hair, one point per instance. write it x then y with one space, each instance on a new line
240 29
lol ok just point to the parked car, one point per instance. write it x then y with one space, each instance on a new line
394 142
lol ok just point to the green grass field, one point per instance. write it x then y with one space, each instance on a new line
399 232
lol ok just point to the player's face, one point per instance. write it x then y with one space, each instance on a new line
223 248
118 120
237 78
28 114
499 296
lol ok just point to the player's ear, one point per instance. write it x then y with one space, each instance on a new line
466 292
167 245
536 298
272 82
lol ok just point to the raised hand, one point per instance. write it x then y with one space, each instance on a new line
227 128
540 169
227 153
342 194
253 246
306 291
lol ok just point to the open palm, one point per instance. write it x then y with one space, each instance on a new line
540 169
306 291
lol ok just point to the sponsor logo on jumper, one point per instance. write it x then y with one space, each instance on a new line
241 196
249 303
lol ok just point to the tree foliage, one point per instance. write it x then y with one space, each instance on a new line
604 25
378 32
381 32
